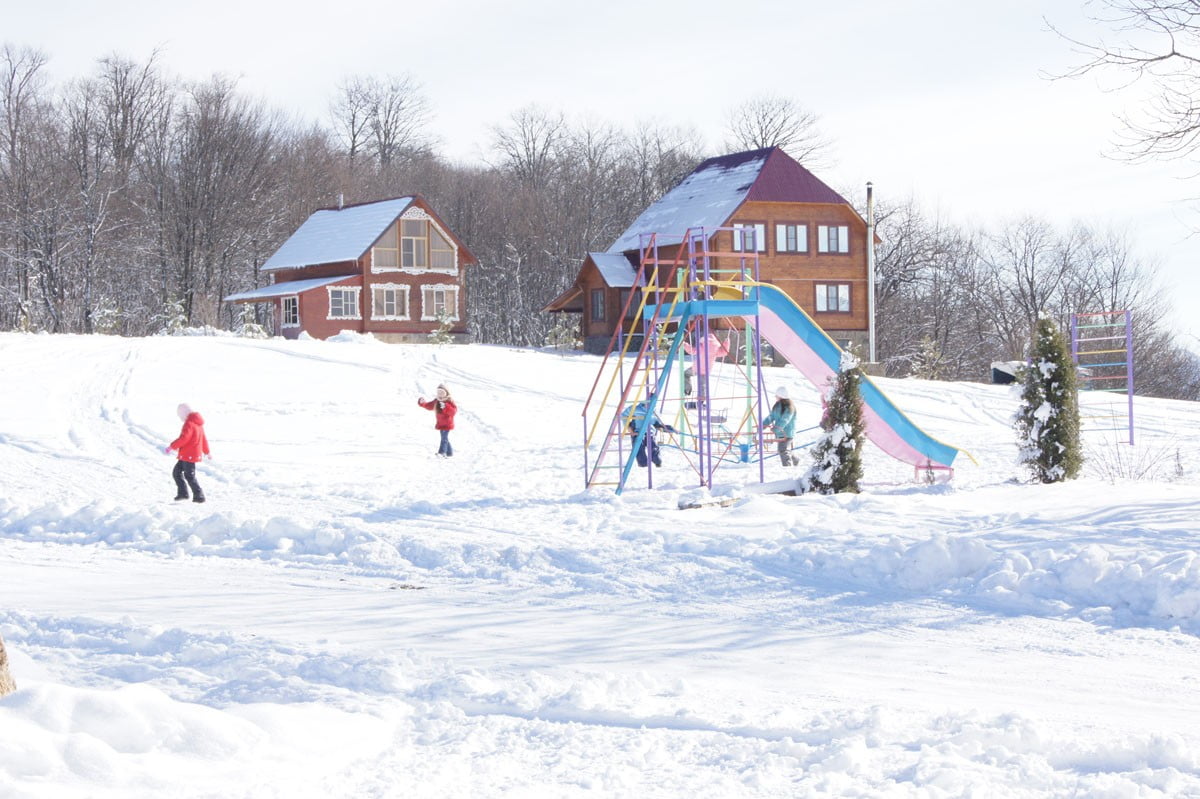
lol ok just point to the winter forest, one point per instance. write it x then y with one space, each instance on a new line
131 202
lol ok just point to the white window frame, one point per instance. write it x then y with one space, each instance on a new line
781 230
414 250
419 215
356 291
843 298
294 299
839 242
760 236
402 302
427 314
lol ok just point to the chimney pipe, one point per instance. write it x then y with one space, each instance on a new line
870 272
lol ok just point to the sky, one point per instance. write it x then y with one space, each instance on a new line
945 102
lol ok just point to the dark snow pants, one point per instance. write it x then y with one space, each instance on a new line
186 471
655 456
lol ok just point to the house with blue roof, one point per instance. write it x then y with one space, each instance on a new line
391 268
808 239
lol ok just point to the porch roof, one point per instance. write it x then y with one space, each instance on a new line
285 289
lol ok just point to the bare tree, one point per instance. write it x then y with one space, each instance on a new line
21 100
1159 44
399 113
774 121
659 156
383 116
92 157
529 144
130 94
351 114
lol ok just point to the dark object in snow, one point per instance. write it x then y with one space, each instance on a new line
1006 372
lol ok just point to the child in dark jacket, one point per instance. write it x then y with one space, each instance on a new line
444 409
192 445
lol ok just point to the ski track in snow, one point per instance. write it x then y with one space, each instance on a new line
483 625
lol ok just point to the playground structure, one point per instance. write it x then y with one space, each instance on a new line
683 292
1102 347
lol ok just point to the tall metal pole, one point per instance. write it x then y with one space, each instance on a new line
870 272
1129 368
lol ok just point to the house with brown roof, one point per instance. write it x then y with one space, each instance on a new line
809 241
391 268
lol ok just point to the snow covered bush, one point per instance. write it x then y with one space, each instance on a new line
837 454
1047 420
249 326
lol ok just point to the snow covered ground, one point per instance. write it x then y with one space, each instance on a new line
350 616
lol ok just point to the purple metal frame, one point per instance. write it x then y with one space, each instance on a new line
1127 339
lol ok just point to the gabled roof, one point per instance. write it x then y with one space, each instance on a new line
285 289
615 268
715 189
332 235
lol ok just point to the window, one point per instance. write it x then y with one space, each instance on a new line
343 303
414 243
833 297
386 252
791 238
833 238
290 313
632 308
438 299
441 252
752 238
597 305
389 301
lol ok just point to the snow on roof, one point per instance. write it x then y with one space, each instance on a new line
285 289
614 268
331 235
705 198
713 192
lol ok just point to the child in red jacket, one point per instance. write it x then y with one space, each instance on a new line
444 408
191 445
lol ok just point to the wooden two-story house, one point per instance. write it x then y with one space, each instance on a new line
809 240
391 268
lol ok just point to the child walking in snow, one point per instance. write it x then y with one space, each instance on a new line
444 409
191 445
782 422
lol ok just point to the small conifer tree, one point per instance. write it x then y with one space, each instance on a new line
927 363
173 317
441 334
837 454
564 335
1047 421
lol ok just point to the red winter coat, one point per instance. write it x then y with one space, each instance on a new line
445 412
192 443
